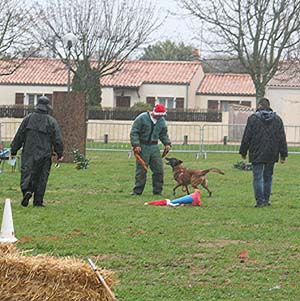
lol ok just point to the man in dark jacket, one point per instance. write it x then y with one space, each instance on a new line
264 138
147 129
39 135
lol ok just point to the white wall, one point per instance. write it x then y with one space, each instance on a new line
192 102
202 100
107 97
8 92
140 95
286 102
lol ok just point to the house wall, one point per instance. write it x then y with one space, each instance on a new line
140 95
107 97
192 102
286 102
8 92
147 90
202 100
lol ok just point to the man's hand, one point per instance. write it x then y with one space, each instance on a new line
167 147
137 149
60 159
244 157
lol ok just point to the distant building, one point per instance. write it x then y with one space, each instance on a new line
179 85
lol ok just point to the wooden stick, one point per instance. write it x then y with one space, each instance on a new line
101 279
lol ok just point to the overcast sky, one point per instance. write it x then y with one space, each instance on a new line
176 26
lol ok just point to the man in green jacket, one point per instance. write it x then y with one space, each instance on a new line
38 135
147 129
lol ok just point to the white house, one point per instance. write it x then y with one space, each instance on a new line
284 93
171 83
218 91
178 85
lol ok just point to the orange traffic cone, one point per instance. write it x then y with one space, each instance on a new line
159 202
7 229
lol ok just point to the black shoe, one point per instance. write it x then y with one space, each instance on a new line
38 205
267 204
26 198
259 205
156 193
135 193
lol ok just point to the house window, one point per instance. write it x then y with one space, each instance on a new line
151 101
168 102
179 103
246 103
223 105
123 101
31 99
19 98
212 105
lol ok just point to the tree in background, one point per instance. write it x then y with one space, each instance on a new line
258 32
15 41
87 79
140 107
170 51
219 63
107 32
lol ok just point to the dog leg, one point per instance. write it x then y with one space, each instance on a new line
206 188
187 190
174 193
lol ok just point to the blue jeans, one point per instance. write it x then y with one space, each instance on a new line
262 182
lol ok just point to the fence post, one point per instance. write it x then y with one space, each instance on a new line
185 139
225 140
105 138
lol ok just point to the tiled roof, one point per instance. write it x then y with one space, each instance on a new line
135 73
38 71
287 76
44 71
226 84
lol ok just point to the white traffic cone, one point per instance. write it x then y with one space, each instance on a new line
7 229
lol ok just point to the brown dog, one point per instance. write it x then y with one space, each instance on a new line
187 176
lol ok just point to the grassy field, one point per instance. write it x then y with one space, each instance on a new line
171 254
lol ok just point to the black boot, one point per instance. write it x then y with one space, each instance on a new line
26 197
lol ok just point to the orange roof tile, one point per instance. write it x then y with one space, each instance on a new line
45 71
226 84
38 71
287 76
135 73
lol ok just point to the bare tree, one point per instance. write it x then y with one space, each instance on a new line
14 35
107 31
258 32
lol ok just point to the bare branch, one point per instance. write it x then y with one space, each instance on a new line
15 40
258 32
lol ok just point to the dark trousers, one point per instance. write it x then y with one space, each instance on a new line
151 155
34 178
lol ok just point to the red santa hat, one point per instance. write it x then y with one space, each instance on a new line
159 109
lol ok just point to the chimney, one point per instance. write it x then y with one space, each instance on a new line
196 54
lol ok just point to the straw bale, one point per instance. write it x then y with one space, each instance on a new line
49 278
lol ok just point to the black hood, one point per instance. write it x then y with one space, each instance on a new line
265 115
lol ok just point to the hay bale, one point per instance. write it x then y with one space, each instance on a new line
43 277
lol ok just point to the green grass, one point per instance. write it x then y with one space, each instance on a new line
170 254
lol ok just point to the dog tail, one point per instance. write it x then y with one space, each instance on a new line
215 170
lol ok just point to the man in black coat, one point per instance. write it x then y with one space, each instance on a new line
264 138
39 135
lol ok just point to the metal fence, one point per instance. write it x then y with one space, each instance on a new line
185 137
121 114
